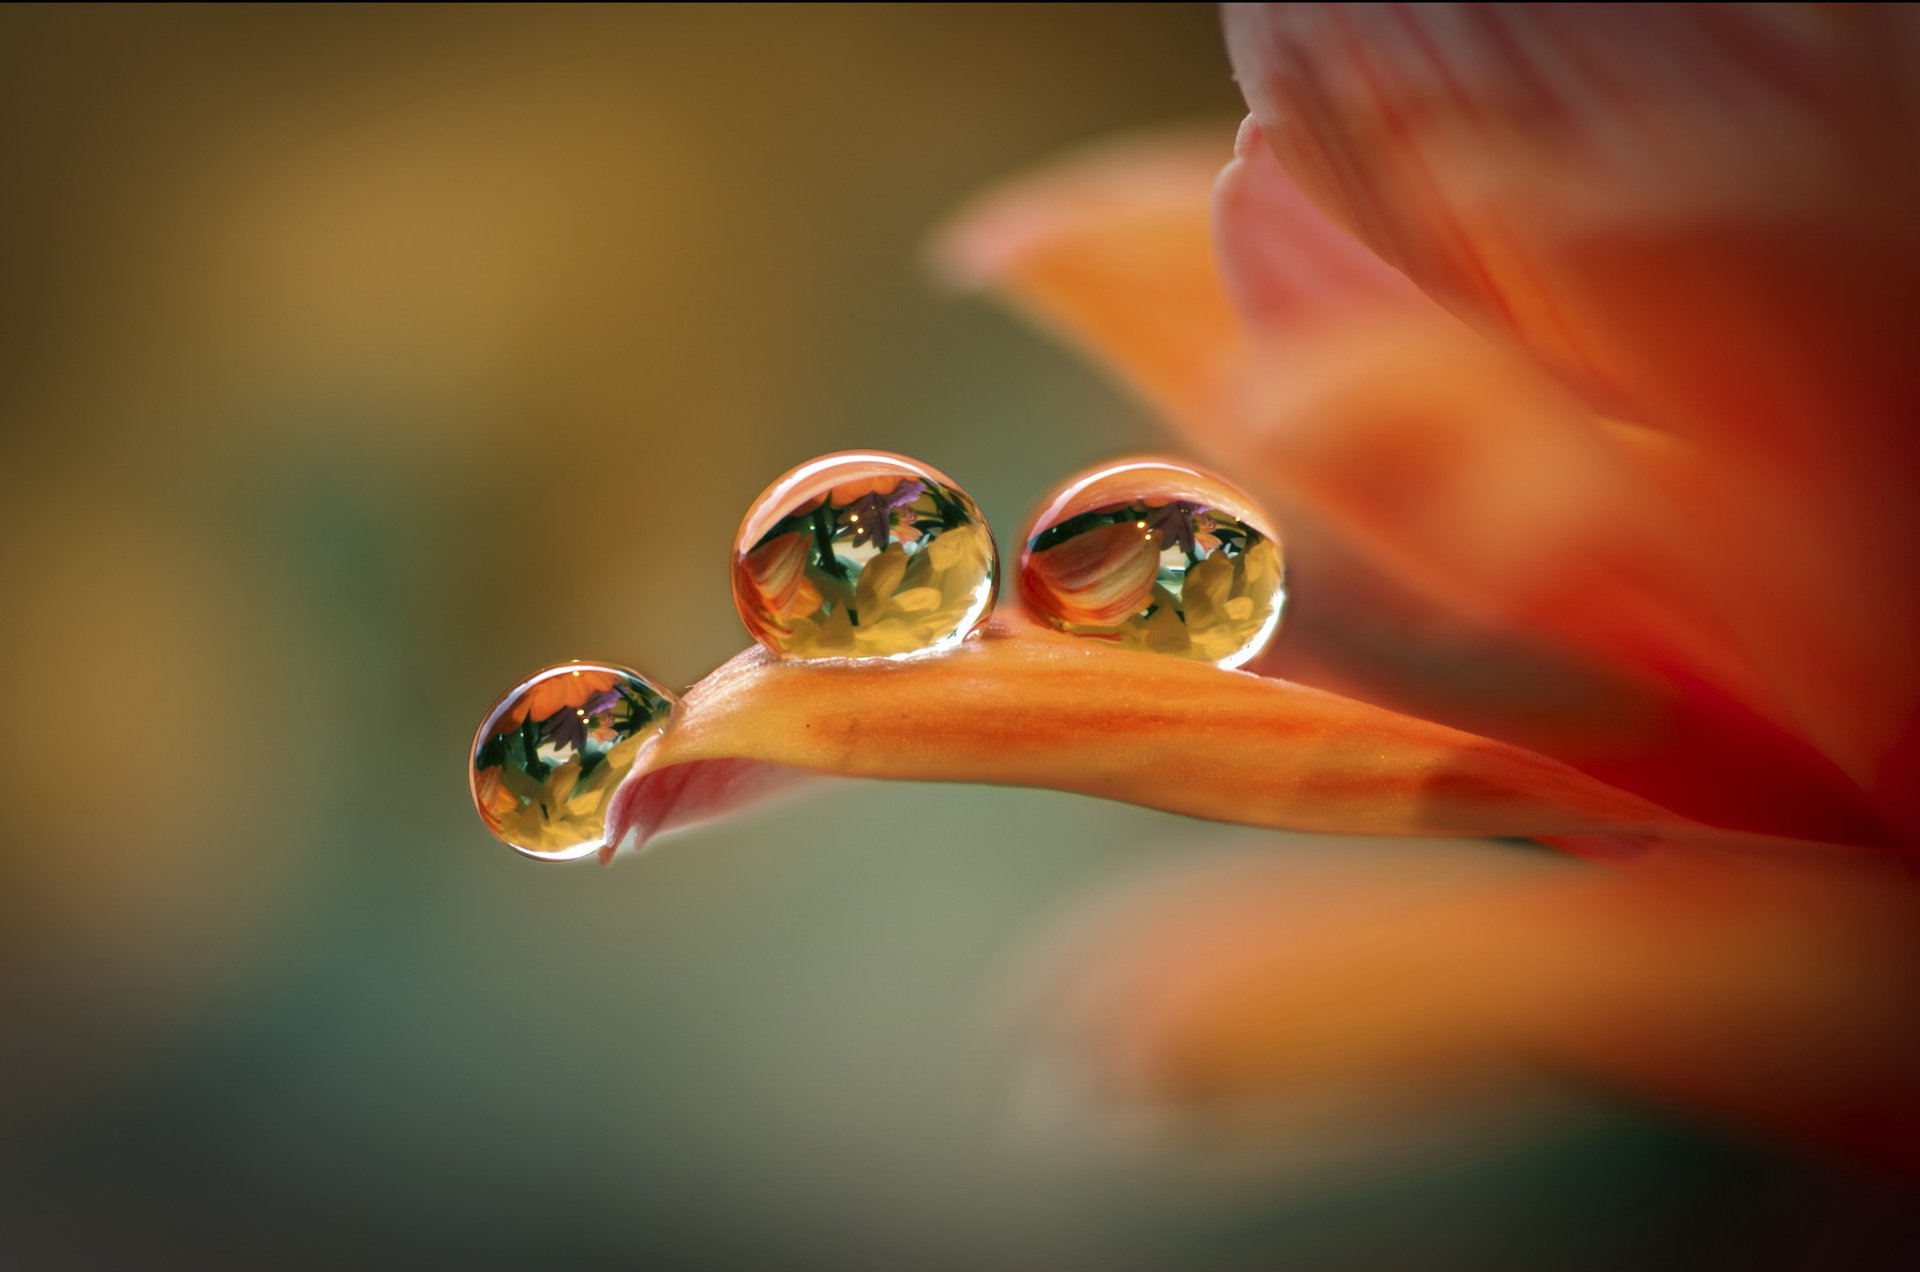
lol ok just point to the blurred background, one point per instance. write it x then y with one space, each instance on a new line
358 360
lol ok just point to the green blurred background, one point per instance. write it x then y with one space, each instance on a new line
359 360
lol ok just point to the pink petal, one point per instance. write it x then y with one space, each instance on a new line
657 799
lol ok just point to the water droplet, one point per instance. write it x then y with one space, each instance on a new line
552 750
1151 555
863 554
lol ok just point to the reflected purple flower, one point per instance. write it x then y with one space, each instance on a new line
870 516
1174 522
566 728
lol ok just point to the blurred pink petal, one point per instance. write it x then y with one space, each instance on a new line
1284 262
656 800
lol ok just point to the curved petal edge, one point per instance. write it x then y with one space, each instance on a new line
1023 707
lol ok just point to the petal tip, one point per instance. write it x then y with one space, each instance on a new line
989 236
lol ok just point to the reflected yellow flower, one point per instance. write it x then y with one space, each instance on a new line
863 555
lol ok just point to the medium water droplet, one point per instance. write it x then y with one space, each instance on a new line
1151 555
552 750
863 554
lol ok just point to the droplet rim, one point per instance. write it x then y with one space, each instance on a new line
1066 499
781 493
589 847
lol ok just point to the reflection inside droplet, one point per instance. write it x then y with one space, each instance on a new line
552 750
1156 556
863 554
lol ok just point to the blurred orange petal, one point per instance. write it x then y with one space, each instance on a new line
1364 409
1110 250
1683 745
777 571
1023 707
1703 215
1364 403
1767 994
1461 468
1478 483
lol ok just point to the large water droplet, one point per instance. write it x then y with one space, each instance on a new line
552 750
863 554
1152 555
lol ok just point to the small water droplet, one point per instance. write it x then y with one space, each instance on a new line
863 554
1206 580
550 753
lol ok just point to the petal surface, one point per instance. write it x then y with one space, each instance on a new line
1022 707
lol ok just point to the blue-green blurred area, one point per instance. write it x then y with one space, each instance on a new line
357 361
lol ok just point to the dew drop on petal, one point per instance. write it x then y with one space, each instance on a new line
550 753
1151 555
863 554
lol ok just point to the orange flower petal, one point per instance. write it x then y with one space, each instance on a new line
849 491
556 694
777 571
1682 745
1461 473
1704 214
1104 248
1023 707
1363 405
1777 995
1450 462
1461 470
